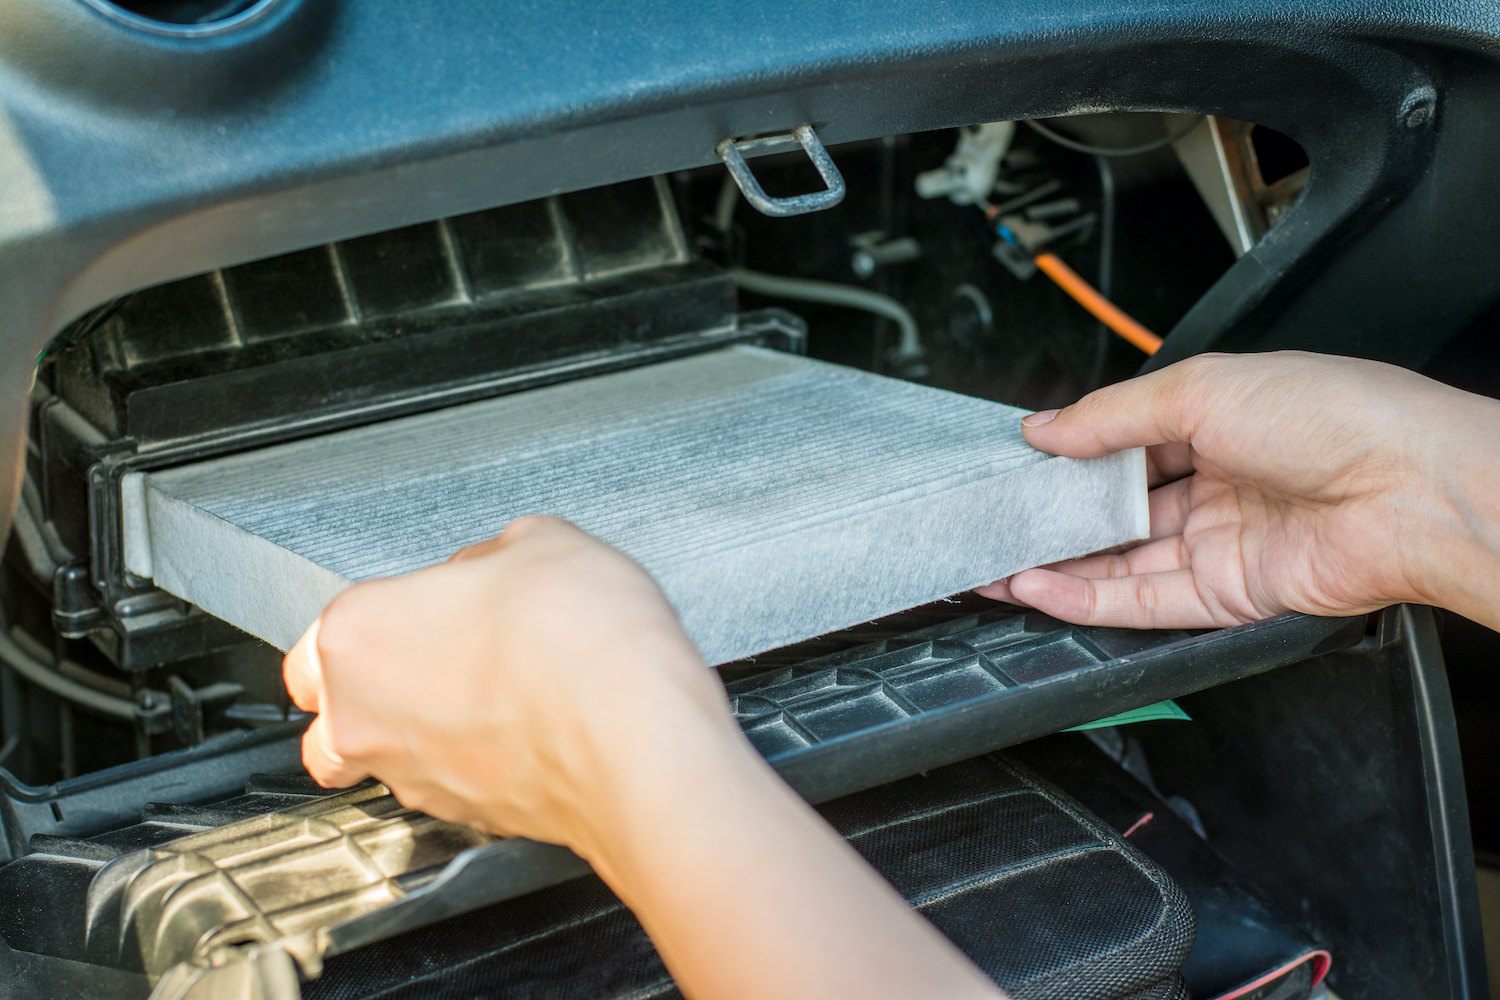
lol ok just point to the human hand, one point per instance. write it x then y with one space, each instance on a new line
500 689
1283 482
539 685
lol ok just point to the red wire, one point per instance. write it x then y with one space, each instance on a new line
1321 961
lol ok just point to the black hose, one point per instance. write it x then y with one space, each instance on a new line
1106 264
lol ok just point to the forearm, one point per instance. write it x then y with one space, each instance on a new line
747 892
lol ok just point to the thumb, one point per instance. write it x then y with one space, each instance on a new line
1163 407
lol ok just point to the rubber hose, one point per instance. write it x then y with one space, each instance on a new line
48 679
830 293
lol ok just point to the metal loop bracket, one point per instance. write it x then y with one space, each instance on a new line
734 152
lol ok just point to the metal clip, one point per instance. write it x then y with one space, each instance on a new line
734 152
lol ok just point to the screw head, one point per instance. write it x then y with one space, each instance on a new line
1418 107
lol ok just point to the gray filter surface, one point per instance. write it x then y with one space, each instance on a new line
774 498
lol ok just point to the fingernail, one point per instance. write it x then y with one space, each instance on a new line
1038 419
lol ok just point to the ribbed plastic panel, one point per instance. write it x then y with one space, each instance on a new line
363 869
1048 902
774 498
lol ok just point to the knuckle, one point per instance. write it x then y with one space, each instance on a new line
345 744
411 796
327 775
343 625
1090 601
1148 598
320 773
1178 380
1184 497
425 798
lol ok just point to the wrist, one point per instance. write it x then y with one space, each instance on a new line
1461 554
700 778
647 743
1468 579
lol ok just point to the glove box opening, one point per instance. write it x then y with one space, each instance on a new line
1320 761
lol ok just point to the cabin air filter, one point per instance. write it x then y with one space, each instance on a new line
773 498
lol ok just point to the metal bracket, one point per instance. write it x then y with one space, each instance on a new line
734 152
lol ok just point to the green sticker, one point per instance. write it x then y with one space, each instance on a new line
1146 713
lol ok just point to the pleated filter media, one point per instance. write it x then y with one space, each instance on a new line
773 498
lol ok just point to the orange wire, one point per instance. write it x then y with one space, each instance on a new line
1109 314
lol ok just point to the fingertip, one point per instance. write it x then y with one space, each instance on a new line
1057 594
302 670
1154 409
999 590
1040 430
479 549
1165 598
517 530
1070 431
1039 418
